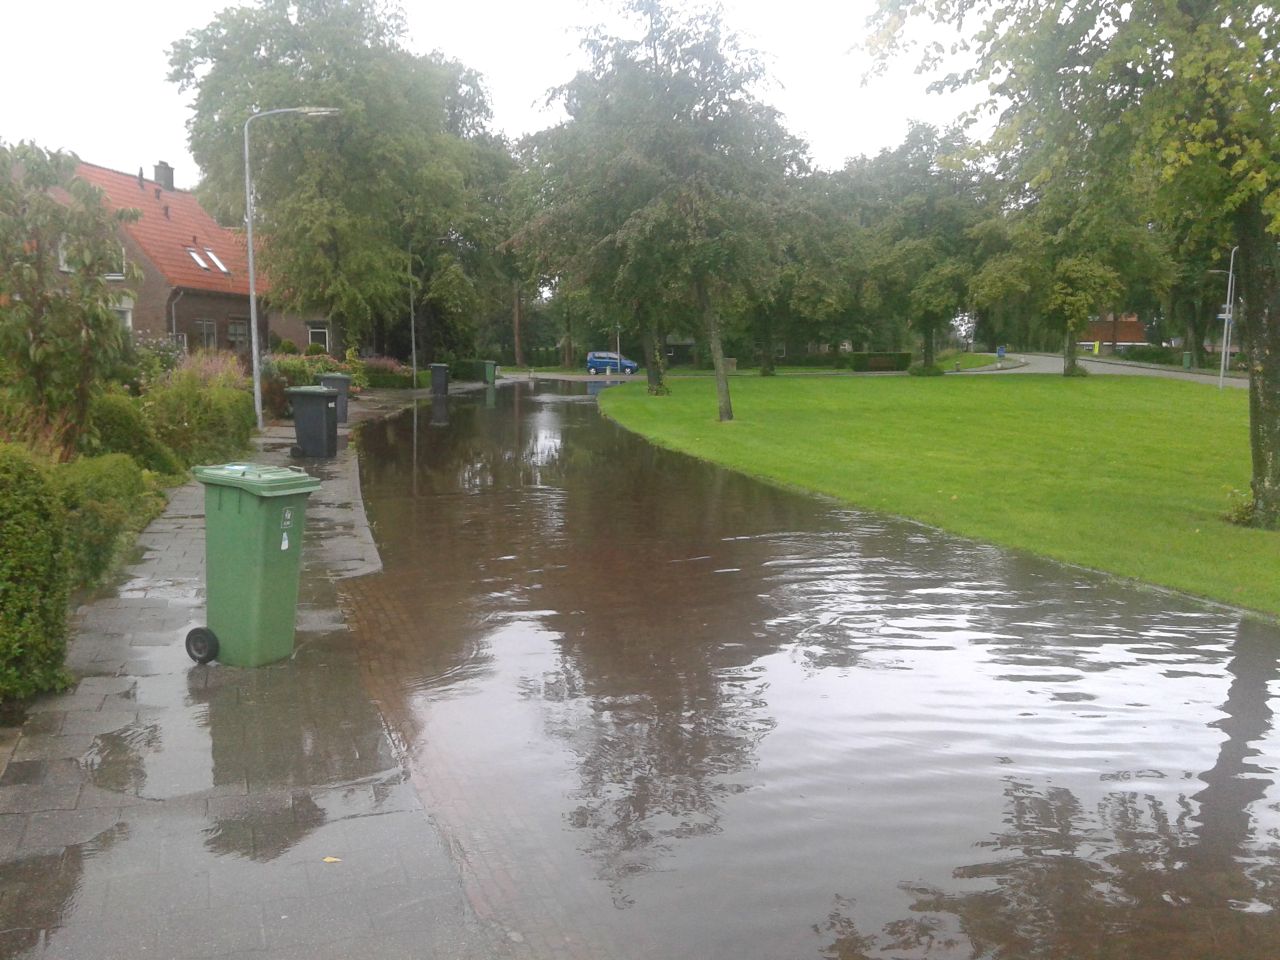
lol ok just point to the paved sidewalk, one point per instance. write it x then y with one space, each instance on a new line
164 809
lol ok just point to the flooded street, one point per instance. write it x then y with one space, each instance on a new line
659 710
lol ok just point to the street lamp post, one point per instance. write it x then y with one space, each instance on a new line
248 219
1228 317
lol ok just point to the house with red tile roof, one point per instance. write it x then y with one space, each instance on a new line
195 273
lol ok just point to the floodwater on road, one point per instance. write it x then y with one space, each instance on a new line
661 710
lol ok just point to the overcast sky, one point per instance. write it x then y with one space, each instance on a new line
89 76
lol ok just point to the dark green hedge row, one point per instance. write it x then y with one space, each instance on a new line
867 362
470 370
34 578
395 381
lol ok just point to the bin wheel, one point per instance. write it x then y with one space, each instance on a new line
202 645
295 451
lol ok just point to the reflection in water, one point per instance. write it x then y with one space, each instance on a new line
663 710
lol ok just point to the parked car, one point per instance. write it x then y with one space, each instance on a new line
606 361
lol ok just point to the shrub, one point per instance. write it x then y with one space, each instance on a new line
315 349
116 425
286 346
1150 353
33 578
101 495
470 370
24 427
215 368
155 358
921 370
200 424
885 360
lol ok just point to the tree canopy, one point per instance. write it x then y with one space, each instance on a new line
340 199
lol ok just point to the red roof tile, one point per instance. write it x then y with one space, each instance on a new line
166 239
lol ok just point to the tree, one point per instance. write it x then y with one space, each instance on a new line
660 193
1184 89
340 200
59 330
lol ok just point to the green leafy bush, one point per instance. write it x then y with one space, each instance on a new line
1149 353
873 361
200 424
286 346
921 370
469 370
116 425
315 349
33 578
101 497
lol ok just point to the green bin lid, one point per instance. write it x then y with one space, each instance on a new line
258 479
335 376
322 391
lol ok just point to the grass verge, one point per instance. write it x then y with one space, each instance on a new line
1130 475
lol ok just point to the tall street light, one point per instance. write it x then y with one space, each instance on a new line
1228 319
248 219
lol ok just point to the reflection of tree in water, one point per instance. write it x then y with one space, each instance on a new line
655 690
1132 879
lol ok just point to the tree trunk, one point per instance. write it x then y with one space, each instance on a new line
1260 338
927 353
711 320
566 348
655 367
1069 351
515 322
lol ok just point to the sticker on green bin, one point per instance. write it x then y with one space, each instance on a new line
286 519
263 481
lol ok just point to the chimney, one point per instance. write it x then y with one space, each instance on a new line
164 175
142 181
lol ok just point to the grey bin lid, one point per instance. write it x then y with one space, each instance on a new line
334 376
314 391
261 480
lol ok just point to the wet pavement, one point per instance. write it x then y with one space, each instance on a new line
660 710
163 809
577 697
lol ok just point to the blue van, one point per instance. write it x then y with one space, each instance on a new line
606 361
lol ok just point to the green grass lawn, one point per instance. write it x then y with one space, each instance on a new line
1131 475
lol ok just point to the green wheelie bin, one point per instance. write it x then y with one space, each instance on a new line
254 517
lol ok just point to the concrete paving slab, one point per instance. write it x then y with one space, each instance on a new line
164 809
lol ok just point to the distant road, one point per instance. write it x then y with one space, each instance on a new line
1052 363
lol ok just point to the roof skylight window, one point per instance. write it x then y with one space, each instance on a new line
216 262
195 255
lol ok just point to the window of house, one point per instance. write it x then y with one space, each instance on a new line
216 262
123 308
115 269
195 255
238 335
206 334
318 333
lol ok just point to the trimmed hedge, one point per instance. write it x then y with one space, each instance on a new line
119 427
381 378
868 362
33 579
101 496
468 370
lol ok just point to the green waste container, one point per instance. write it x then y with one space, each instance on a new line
254 518
1186 359
490 371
